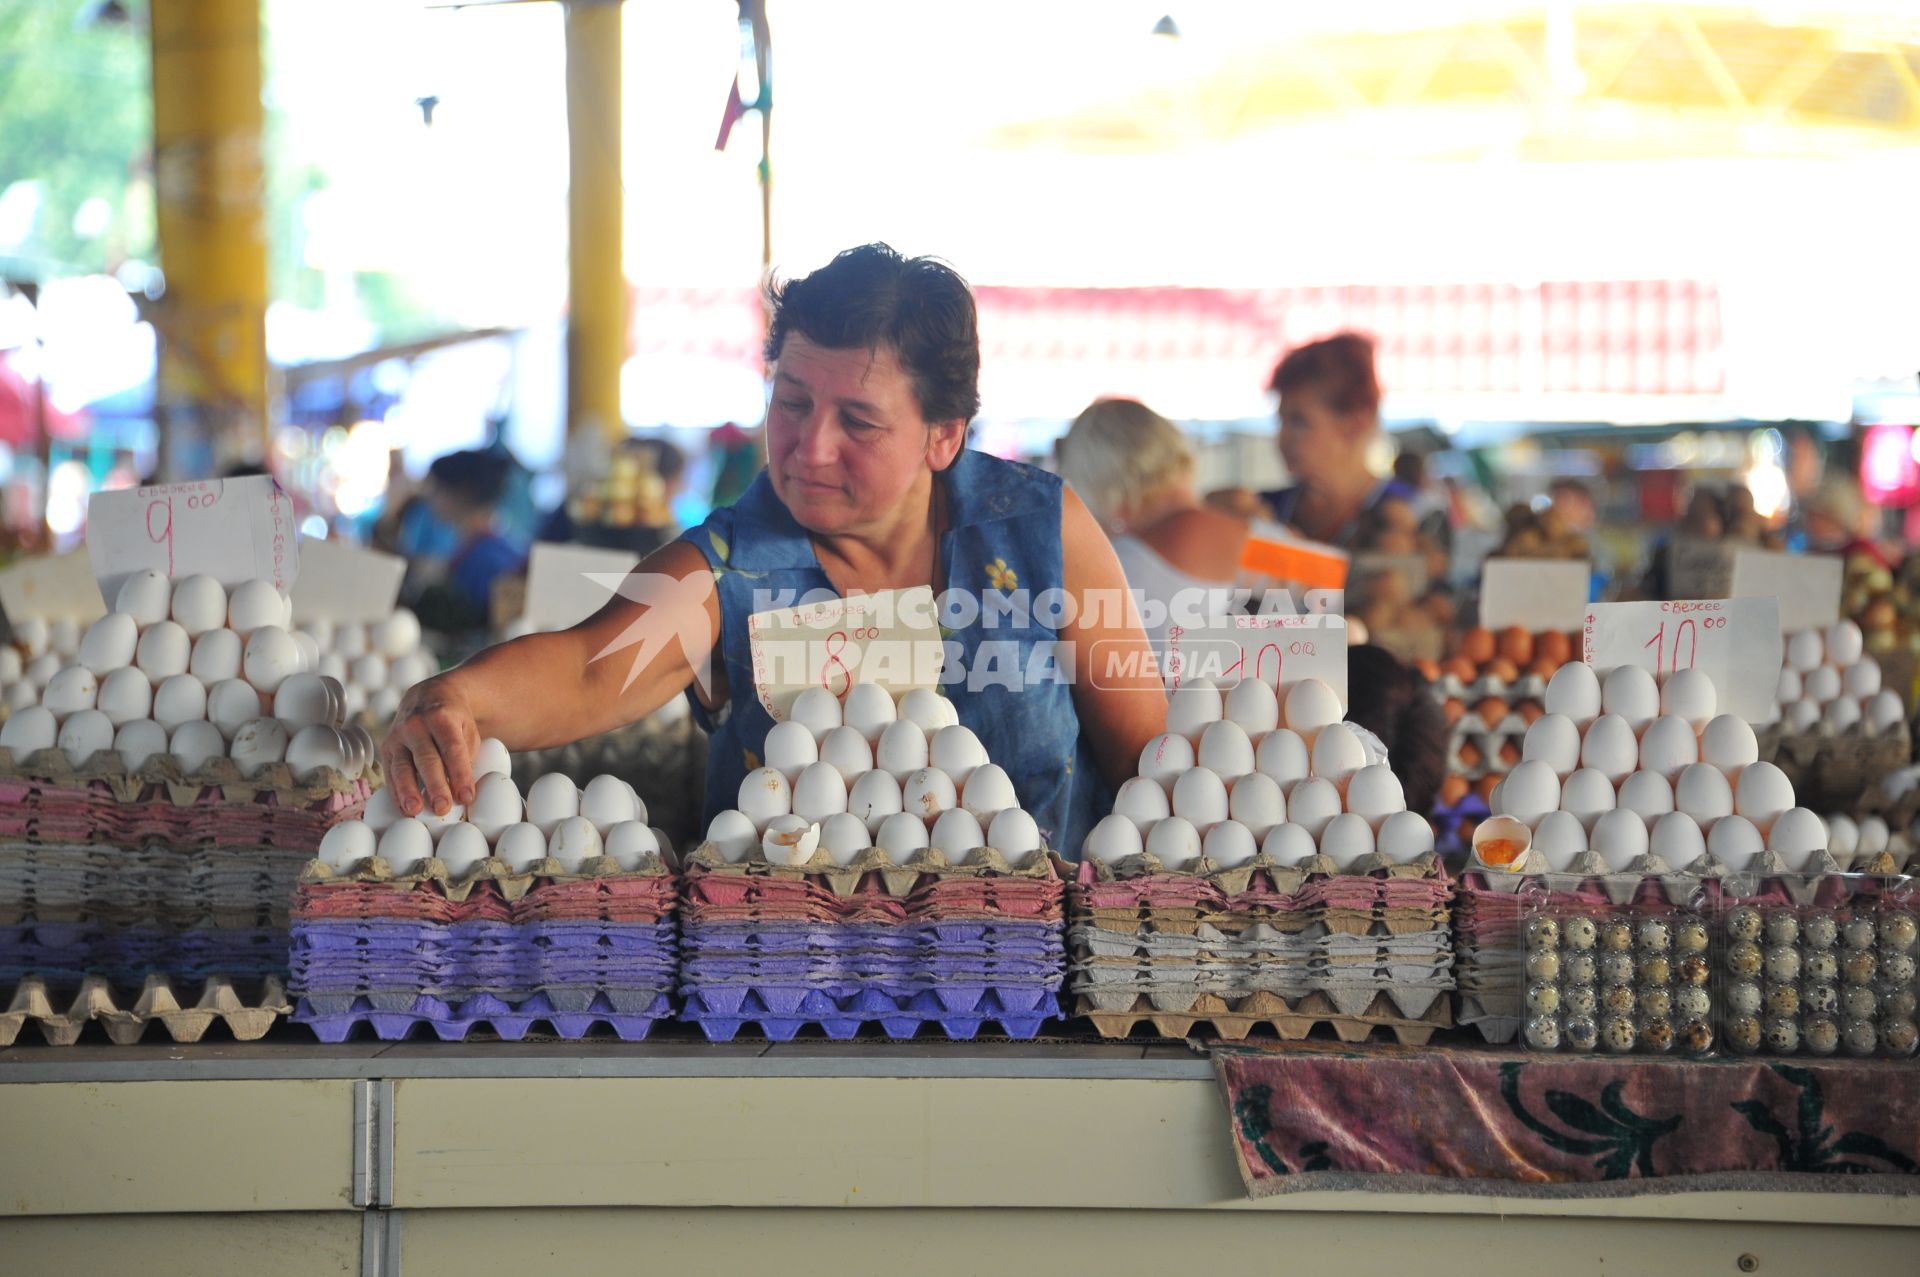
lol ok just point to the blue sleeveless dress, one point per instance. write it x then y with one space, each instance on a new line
1002 673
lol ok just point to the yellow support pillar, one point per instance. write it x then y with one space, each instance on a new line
210 196
597 327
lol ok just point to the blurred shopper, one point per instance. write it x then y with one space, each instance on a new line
463 492
1838 520
1394 702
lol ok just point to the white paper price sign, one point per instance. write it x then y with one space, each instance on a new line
51 587
566 584
233 530
1535 594
1807 585
1735 642
891 638
1278 650
346 583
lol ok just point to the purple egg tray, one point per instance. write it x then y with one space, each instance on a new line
65 952
900 1008
629 1013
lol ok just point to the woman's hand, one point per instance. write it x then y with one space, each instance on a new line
428 754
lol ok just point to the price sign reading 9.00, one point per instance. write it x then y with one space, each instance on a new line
1734 642
233 530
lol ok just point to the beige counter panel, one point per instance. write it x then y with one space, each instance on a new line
116 1148
263 1245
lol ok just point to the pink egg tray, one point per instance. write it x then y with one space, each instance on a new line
92 812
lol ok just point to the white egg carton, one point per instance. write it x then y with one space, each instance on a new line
181 786
897 878
61 1023
1528 687
512 883
1287 879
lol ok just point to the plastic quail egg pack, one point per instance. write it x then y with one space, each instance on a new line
1632 980
1834 976
1830 685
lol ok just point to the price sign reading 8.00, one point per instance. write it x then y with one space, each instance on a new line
890 638
1734 642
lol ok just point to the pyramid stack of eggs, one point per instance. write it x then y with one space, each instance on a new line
554 907
40 649
877 870
1628 767
1831 685
185 670
374 664
1227 782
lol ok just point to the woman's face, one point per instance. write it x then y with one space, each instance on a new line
1317 443
845 439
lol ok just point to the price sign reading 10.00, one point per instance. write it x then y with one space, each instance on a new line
1735 642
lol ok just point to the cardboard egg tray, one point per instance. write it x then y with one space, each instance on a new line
960 1009
1288 1020
1489 960
247 1009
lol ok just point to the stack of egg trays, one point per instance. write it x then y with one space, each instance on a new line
1819 965
573 948
1262 945
1620 979
1475 747
1489 954
846 947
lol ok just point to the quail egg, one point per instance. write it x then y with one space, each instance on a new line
1543 964
1656 936
1690 937
1692 1004
1543 1033
1781 1034
1656 968
1861 1037
1619 999
1656 1002
1581 932
1743 998
1783 999
1581 1033
1821 1034
1579 968
1743 1033
1782 962
1542 933
1859 1002
1858 932
1580 999
1859 966
1820 965
1898 932
1821 931
1899 1036
1543 998
1616 936
1693 970
1616 968
1618 1034
1820 999
1744 959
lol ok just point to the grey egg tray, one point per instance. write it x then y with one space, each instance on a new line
186 1011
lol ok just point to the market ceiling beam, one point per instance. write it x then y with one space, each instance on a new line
596 277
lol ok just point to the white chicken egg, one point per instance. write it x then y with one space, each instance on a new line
332 666
1166 757
1821 685
791 749
12 667
820 792
574 841
406 846
254 604
1113 839
492 757
381 705
269 658
1375 793
1255 801
1225 750
1762 793
1844 643
1283 755
1254 705
369 672
32 634
606 801
521 846
1630 692
1529 792
1574 691
1734 842
900 836
63 635
1193 705
350 640
554 797
259 743
1884 712
1561 838
402 674
1843 837
315 749
1874 837
733 835
844 836
902 750
361 749
196 743
138 741
1310 706
124 695
1648 795
1313 804
868 710
1841 715
347 846
1014 834
110 641
397 635
1862 679
199 604
1142 800
875 798
71 690
630 843
1610 747
1702 792
21 695
1676 839
1346 839
928 710
1690 695
1587 795
230 704
1802 717
301 701
496 804
1806 651
1404 837
322 630
1289 844
461 848
84 734
928 793
214 657
1798 836
1174 842
1337 753
1230 843
145 596
381 810
815 709
956 833
1728 743
1199 798
847 750
42 668
1789 688
1669 745
1620 837
1554 740
988 792
956 751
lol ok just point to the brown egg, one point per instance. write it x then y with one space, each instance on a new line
1455 709
1552 647
1509 755
1453 789
1470 755
1542 668
1492 710
1502 669
1466 829
1516 644
1477 645
1461 668
1429 669
1529 711
1484 787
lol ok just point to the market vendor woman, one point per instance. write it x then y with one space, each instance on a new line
868 487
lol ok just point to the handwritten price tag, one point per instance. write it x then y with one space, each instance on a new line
1278 650
1735 642
1807 585
1534 594
233 530
891 638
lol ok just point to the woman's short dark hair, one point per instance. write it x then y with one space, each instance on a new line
474 479
871 296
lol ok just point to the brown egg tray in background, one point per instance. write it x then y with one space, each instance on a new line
1844 773
1290 1022
247 1008
1491 690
